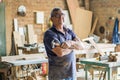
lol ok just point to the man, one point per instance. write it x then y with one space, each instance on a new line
59 44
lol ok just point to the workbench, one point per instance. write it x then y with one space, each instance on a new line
104 47
28 59
23 61
106 66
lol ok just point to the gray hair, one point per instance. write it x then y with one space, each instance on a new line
54 10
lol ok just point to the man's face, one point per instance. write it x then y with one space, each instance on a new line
58 18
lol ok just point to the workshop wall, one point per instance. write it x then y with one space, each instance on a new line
106 11
31 7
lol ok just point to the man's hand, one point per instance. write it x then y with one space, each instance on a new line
62 49
66 44
71 45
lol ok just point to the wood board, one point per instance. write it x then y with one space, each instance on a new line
94 26
18 42
83 23
32 38
17 38
72 5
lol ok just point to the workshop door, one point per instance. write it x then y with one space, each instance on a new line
2 30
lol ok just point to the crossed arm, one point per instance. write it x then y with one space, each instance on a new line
67 46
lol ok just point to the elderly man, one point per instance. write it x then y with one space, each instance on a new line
59 43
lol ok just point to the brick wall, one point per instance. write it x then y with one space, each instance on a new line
104 9
31 6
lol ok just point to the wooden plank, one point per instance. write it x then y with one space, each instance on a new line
95 45
83 23
18 41
94 26
9 27
24 56
17 38
32 38
87 6
119 28
72 5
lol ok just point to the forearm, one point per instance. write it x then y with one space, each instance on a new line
66 47
61 52
76 45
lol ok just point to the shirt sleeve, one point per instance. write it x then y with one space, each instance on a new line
49 39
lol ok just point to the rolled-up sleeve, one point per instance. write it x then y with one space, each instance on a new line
49 38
